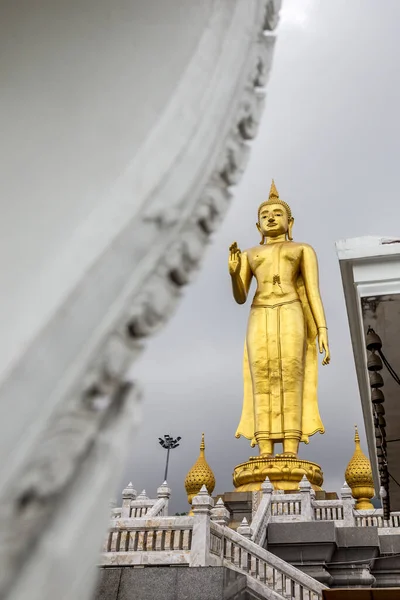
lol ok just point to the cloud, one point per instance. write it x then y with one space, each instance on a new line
296 13
330 140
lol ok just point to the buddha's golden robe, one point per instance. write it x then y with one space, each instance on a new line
280 367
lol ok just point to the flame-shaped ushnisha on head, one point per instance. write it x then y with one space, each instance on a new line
358 477
200 474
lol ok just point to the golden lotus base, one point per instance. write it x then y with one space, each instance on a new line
364 504
284 472
363 495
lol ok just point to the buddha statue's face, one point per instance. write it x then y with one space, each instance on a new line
273 220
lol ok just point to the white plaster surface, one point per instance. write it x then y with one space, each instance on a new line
83 85
171 169
61 566
109 210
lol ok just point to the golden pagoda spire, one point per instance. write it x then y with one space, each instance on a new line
357 438
200 474
358 477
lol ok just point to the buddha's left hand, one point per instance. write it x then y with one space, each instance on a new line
323 345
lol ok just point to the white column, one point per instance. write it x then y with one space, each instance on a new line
348 506
164 492
220 514
307 493
267 487
128 494
244 529
264 508
200 551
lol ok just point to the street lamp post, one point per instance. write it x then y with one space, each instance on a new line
169 444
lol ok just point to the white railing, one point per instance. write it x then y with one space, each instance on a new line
158 509
394 520
205 539
201 541
163 540
262 516
286 505
374 518
302 506
328 510
370 521
139 506
275 577
140 510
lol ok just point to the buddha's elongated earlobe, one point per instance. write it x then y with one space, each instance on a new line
290 227
262 235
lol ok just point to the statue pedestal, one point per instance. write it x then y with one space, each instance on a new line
284 472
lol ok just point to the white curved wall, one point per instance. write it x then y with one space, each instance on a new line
125 126
83 82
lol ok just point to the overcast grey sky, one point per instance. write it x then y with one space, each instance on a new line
330 139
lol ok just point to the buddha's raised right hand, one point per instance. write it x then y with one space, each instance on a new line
234 260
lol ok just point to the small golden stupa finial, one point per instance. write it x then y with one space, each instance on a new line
358 476
273 192
200 474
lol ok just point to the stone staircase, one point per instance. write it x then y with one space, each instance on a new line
267 575
205 540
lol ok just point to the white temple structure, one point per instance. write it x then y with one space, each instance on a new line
370 268
290 546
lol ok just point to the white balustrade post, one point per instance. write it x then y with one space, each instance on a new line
244 529
267 487
306 494
128 494
142 503
164 492
142 496
200 551
260 519
348 506
220 514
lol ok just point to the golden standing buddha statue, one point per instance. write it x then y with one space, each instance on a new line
286 317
